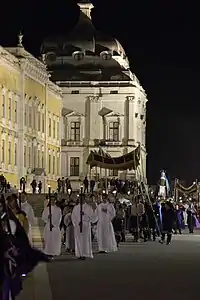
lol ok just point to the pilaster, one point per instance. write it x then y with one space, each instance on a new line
21 113
132 128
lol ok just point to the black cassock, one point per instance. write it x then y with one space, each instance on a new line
24 258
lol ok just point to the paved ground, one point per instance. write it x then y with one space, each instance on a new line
138 271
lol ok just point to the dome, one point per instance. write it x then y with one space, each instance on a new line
84 48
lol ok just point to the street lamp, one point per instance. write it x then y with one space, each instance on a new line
103 192
128 193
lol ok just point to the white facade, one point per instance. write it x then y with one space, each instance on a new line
108 113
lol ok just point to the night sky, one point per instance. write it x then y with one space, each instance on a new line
161 39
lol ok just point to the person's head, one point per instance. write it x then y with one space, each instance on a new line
24 197
105 198
12 202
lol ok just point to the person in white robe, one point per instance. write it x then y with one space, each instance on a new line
83 240
70 241
105 232
27 208
52 239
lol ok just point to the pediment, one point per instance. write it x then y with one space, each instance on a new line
106 112
70 113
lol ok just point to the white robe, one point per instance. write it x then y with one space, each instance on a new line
52 239
69 242
105 232
83 240
27 208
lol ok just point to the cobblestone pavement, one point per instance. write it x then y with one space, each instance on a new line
144 270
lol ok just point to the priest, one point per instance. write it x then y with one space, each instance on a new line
105 232
83 215
52 233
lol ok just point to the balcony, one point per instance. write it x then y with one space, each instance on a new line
69 143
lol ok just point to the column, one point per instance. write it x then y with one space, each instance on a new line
132 127
82 129
94 118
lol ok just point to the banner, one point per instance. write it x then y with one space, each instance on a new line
191 189
103 160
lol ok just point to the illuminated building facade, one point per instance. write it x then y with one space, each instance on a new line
103 101
30 119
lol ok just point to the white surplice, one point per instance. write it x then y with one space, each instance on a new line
83 240
27 208
52 239
105 232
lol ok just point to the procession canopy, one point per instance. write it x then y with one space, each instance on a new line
129 161
191 189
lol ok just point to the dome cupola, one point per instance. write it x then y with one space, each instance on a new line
84 48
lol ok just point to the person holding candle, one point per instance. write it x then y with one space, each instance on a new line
52 217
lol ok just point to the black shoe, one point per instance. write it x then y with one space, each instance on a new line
161 241
81 258
102 252
168 243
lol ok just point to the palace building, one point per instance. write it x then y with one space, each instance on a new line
104 104
30 119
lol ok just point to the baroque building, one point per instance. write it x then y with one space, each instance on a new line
30 119
104 104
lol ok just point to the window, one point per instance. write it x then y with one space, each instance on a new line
15 111
75 131
113 173
34 117
30 117
49 127
34 157
58 165
24 156
54 162
3 106
49 163
3 151
38 158
43 123
75 92
58 130
39 123
74 166
9 153
54 129
25 115
29 157
42 158
113 92
15 154
9 109
114 131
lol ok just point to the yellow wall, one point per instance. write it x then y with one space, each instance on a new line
11 80
34 89
54 104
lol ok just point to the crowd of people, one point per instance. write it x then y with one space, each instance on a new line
107 220
83 219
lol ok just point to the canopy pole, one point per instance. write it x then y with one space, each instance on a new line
106 180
